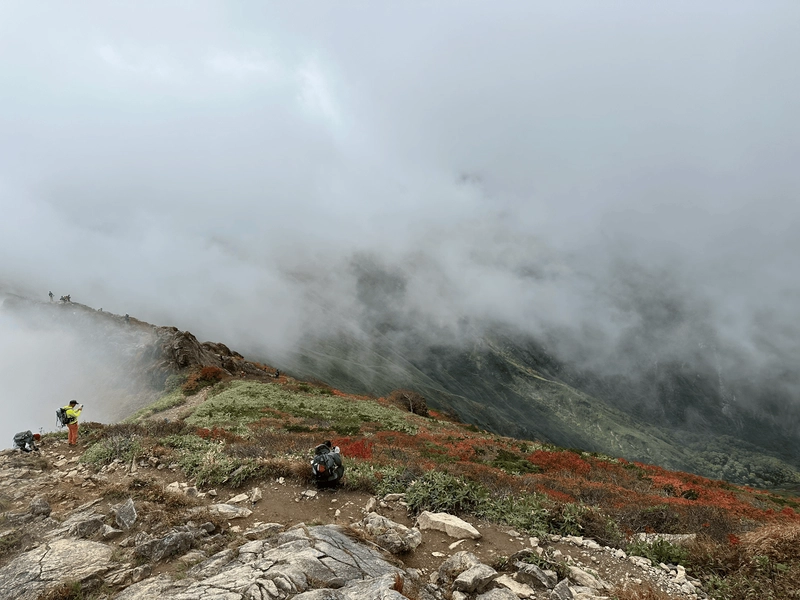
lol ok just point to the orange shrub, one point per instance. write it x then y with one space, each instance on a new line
560 461
354 448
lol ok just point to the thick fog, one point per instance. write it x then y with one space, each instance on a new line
618 177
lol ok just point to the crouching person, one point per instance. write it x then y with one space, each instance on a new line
26 441
326 466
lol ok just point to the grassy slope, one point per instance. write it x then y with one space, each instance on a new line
505 388
247 431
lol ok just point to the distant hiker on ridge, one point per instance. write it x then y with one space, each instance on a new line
51 296
73 411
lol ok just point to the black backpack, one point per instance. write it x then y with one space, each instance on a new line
22 439
326 466
62 418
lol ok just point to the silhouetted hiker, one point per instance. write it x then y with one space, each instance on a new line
51 296
73 411
277 373
26 441
127 318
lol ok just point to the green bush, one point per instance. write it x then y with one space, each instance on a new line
513 463
523 512
108 449
212 466
174 398
567 518
660 551
174 382
441 492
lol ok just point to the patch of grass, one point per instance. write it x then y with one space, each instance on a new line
638 591
567 518
513 463
439 491
210 465
763 563
174 398
174 382
69 590
108 449
11 542
547 562
245 402
602 528
524 512
660 551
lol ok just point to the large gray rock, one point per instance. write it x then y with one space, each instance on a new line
455 565
175 543
39 507
394 537
562 591
450 524
533 575
586 579
519 589
474 579
313 563
229 511
31 573
125 514
88 528
499 594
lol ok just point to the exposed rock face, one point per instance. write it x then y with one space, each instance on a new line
396 538
173 544
125 514
39 507
308 563
451 525
29 574
229 511
180 350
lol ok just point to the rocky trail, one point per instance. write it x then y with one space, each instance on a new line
139 531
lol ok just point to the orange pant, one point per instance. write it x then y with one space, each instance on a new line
72 438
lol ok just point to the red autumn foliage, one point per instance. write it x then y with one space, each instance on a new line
350 448
560 461
201 378
217 433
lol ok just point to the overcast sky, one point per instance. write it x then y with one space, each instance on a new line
218 165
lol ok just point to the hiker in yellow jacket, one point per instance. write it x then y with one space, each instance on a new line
73 412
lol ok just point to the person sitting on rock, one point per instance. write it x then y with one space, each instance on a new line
26 441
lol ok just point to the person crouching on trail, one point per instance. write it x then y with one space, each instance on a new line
26 441
73 412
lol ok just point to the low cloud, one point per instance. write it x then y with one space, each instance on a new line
619 181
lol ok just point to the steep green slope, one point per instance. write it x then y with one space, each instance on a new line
514 387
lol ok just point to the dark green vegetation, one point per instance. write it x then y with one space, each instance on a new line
511 385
